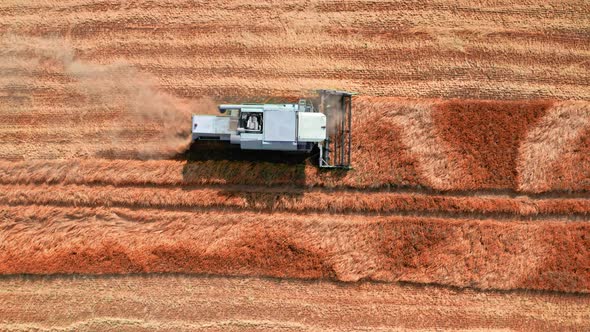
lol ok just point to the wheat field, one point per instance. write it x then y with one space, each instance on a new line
467 206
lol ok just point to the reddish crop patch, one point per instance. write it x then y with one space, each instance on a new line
564 264
380 153
485 136
483 254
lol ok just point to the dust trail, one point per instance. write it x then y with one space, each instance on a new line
133 94
335 115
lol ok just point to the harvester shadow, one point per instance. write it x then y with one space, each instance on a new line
221 151
210 162
268 201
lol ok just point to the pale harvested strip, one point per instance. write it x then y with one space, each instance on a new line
570 65
203 36
185 303
223 86
407 71
111 148
19 100
43 134
464 88
47 115
465 53
32 142
38 117
421 40
308 18
510 79
293 63
197 85
556 6
471 40
59 150
66 149
498 88
445 87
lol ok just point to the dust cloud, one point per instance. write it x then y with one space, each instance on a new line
119 87
334 120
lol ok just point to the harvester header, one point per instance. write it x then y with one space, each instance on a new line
324 122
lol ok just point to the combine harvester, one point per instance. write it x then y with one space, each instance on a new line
325 123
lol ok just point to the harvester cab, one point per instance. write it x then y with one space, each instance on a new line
324 122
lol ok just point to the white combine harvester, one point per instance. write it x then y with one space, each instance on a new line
325 122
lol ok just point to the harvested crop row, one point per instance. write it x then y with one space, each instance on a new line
487 51
248 304
468 253
294 200
443 145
